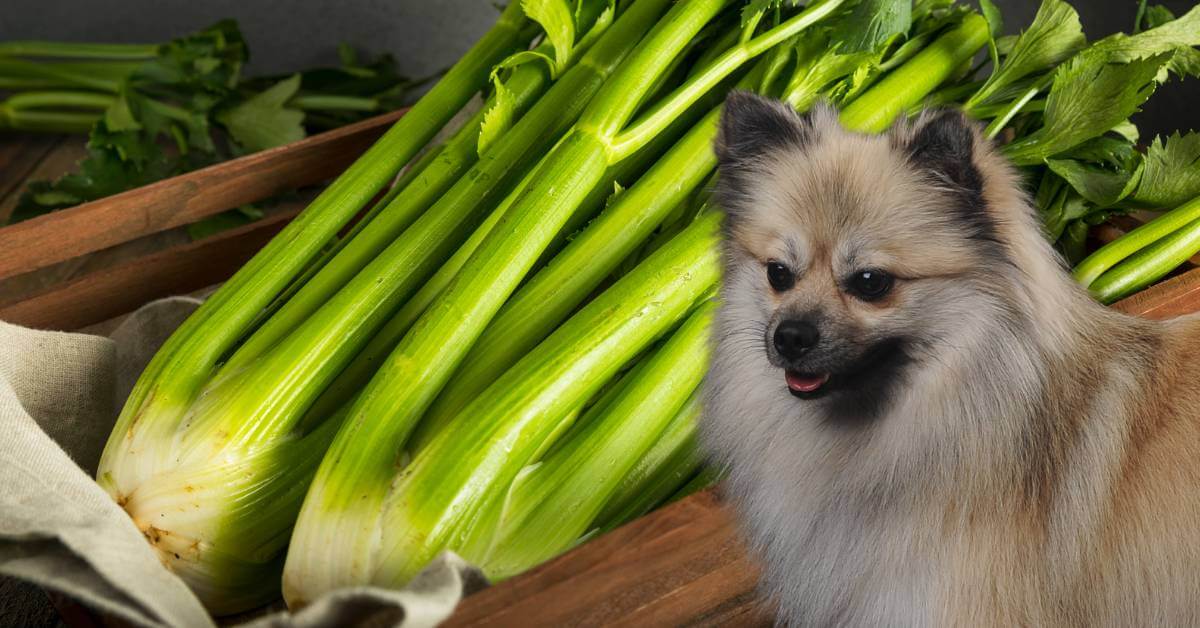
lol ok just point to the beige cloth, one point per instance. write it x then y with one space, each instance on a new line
59 394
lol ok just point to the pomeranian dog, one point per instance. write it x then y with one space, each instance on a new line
924 420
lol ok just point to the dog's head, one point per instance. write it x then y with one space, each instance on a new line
850 258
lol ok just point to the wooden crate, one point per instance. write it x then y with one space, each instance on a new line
46 242
683 564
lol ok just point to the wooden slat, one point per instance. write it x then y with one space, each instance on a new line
681 564
1171 298
182 200
684 564
125 287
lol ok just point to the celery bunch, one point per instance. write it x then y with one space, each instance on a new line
500 357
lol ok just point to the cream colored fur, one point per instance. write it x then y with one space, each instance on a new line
1037 465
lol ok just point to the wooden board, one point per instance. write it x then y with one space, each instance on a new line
125 287
63 235
683 564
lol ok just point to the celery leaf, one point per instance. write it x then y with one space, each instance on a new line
753 8
1102 186
498 118
603 21
872 23
995 23
1054 35
820 67
526 56
264 120
1166 37
1090 96
1172 171
558 22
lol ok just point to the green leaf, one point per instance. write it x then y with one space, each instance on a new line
1156 16
1151 17
347 55
1090 96
995 28
1109 151
556 19
1172 174
1103 186
1186 62
526 56
1074 241
206 61
1176 36
1128 130
1068 208
819 65
1054 35
264 120
1166 37
498 118
872 23
119 116
224 221
603 21
930 8
753 8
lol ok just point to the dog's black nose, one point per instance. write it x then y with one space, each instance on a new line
794 338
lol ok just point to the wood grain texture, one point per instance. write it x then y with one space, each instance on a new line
125 287
684 564
1173 297
182 200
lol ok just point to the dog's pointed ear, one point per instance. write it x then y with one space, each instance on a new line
752 126
942 143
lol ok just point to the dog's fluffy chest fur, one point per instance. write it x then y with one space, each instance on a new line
857 530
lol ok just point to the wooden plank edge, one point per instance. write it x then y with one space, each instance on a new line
68 233
120 289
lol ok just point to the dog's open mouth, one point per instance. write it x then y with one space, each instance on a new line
806 385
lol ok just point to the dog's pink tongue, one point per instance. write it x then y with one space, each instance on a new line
805 383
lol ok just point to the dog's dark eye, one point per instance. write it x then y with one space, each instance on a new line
780 277
869 285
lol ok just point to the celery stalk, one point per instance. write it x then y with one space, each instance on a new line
295 369
555 291
1154 260
455 185
909 84
1097 264
462 474
552 504
551 295
667 466
78 50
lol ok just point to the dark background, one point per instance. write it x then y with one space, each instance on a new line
427 35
